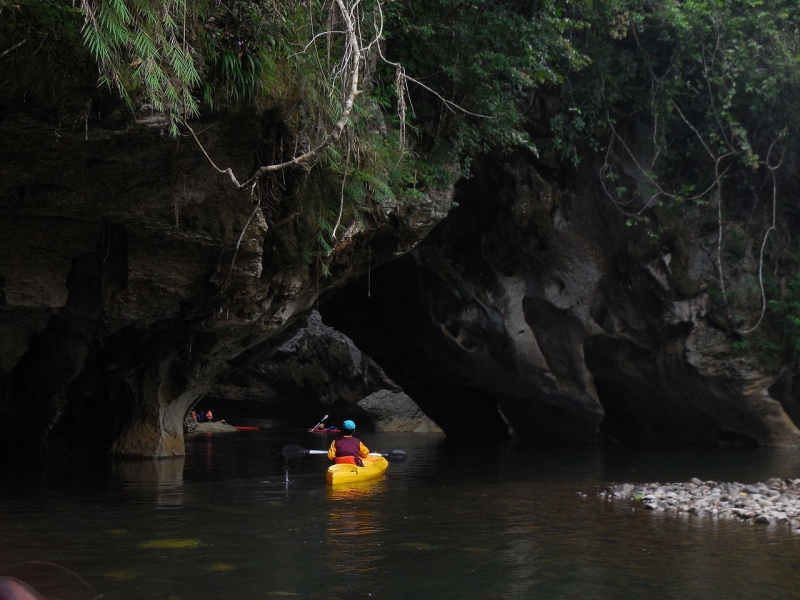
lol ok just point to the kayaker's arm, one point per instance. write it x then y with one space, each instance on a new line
363 451
332 451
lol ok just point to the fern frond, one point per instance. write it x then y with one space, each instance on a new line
379 188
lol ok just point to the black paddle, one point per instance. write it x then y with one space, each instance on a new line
291 451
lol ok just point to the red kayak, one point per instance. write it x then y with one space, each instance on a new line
242 428
324 431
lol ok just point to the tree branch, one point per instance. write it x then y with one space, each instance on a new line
12 48
351 63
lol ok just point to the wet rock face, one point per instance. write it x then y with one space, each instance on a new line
107 273
123 295
319 371
537 309
396 411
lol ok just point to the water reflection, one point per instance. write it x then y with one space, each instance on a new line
353 536
522 552
162 478
726 463
356 491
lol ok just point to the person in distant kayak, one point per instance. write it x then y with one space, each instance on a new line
348 449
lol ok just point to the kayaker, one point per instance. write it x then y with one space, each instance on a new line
348 449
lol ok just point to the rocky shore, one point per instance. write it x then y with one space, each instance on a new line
771 502
212 426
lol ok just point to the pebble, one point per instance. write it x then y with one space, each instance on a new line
771 502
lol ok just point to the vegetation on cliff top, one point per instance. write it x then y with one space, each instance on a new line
697 105
468 64
690 108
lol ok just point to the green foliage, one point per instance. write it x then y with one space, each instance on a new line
143 44
780 340
777 342
42 19
50 30
170 53
485 57
703 80
250 52
568 131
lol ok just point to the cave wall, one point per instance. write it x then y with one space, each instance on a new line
107 268
535 310
123 294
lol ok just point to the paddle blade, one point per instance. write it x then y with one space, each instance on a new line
291 451
396 456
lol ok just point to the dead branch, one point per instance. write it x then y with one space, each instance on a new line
772 227
12 48
341 200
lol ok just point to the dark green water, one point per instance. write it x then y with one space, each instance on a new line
452 522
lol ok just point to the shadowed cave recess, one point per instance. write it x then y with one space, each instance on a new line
526 313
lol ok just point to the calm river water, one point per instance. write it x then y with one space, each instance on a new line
453 522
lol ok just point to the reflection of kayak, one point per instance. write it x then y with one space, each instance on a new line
243 428
357 490
374 467
324 431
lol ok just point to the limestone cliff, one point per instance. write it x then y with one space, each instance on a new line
534 308
135 279
132 275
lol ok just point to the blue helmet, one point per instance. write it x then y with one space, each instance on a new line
348 425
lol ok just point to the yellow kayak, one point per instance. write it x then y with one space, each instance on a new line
374 467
